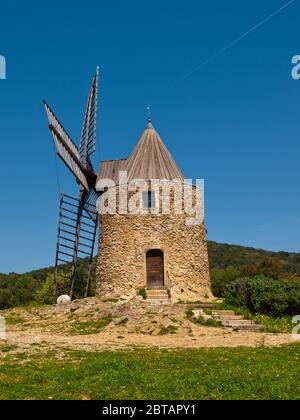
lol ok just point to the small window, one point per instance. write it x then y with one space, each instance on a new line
149 200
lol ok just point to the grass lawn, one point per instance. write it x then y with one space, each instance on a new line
239 373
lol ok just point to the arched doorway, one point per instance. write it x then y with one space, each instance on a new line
155 269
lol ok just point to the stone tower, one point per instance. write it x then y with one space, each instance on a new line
152 248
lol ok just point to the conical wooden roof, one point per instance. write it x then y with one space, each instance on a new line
151 159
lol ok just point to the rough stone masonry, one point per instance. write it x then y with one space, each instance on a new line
125 239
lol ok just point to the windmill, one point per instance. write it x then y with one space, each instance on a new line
78 218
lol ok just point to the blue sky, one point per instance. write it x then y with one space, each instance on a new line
234 122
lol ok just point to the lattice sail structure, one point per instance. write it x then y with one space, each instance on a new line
87 144
78 218
66 148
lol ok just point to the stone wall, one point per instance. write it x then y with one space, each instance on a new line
124 241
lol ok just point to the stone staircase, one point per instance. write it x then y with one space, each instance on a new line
158 296
236 322
230 320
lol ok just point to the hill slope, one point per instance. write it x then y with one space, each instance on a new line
221 256
224 255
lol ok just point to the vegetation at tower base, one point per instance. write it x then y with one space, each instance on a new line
227 264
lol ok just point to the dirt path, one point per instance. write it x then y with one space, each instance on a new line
204 338
130 324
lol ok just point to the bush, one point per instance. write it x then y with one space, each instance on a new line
265 296
221 278
45 294
274 325
143 293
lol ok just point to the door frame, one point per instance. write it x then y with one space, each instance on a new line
158 248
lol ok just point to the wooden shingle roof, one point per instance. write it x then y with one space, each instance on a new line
109 169
150 160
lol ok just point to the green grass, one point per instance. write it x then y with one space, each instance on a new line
14 320
90 327
171 329
231 374
6 348
202 321
208 312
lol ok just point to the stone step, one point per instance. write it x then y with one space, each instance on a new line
158 297
230 320
199 305
159 301
232 323
228 317
157 294
225 313
154 292
254 327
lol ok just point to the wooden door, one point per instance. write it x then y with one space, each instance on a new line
155 269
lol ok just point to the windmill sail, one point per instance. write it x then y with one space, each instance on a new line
76 240
66 148
88 135
78 217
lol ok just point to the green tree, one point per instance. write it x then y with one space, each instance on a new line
221 278
16 290
267 266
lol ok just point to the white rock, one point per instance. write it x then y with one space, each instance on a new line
63 300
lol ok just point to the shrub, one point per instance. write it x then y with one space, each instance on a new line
265 296
45 294
221 278
274 325
143 293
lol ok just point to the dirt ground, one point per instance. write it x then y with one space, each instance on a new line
96 324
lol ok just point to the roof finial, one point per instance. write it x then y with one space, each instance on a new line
149 113
149 117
